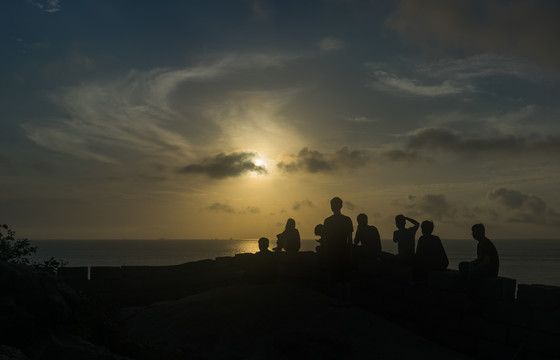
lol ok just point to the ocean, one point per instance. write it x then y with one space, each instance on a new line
527 261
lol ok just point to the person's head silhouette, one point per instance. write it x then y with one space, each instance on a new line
427 227
362 219
478 232
336 205
290 224
263 244
400 221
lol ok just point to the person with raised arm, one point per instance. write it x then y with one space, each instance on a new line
405 239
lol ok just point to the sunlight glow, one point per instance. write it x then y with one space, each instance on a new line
260 162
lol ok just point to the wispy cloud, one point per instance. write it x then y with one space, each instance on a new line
224 165
300 204
330 44
49 6
218 207
359 119
383 80
109 121
450 76
481 66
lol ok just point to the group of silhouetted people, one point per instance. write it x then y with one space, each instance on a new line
340 254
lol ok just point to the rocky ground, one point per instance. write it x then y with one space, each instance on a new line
272 321
241 318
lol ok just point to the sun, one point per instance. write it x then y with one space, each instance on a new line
260 169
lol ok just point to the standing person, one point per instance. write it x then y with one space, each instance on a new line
337 231
430 254
368 236
289 239
487 262
404 237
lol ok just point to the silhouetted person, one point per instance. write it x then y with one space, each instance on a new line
320 231
263 246
368 236
263 266
430 254
338 231
487 262
289 239
404 237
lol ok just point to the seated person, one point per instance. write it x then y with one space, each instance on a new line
430 254
263 267
319 232
289 239
263 246
487 262
368 236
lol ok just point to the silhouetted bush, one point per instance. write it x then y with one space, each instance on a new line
17 251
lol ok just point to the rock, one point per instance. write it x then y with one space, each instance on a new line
34 291
273 321
10 353
63 345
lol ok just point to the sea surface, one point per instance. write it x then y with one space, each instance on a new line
527 261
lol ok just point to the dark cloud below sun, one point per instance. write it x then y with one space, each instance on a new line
224 165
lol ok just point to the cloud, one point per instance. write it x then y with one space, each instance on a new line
433 206
527 29
224 165
134 115
445 140
451 76
316 162
359 119
225 208
525 208
349 205
397 155
220 208
252 210
480 66
304 203
330 44
385 81
49 6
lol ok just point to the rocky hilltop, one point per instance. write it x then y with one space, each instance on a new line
252 307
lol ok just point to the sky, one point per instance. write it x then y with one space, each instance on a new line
222 119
